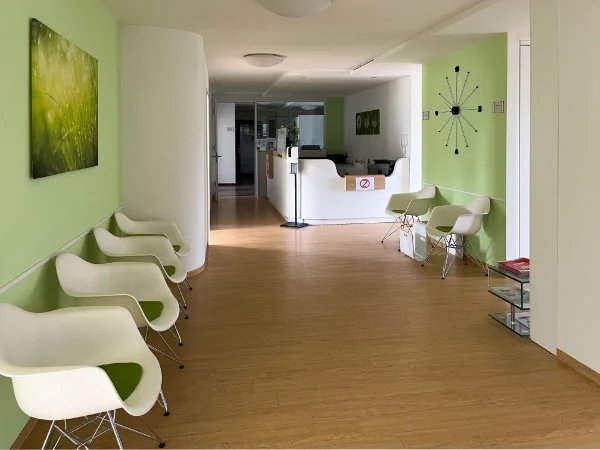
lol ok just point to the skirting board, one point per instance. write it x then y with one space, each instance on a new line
24 434
578 366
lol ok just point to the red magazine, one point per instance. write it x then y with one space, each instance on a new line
520 265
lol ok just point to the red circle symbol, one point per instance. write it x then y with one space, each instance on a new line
365 183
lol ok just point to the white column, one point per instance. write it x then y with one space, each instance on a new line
544 173
164 145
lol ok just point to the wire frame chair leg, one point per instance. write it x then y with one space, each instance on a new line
182 308
113 425
175 332
162 401
435 250
173 356
186 281
474 255
450 257
48 435
389 232
181 294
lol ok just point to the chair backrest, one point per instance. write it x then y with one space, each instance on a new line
125 223
428 191
481 205
15 325
77 275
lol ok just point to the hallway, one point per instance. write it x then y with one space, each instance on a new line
325 338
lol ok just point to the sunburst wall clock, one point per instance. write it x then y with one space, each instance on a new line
458 109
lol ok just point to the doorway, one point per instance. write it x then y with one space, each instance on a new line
236 149
524 145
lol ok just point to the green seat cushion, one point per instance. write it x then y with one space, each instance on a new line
152 310
444 229
177 247
399 211
170 270
124 376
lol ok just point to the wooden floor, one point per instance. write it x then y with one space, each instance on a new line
325 338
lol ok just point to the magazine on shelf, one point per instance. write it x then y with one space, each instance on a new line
523 318
518 266
510 293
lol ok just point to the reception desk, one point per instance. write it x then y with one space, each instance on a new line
323 197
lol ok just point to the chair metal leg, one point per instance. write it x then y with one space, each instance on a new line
475 255
173 356
182 297
48 435
175 332
389 232
164 404
188 283
435 250
450 258
113 425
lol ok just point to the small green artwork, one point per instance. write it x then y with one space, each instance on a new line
368 122
64 104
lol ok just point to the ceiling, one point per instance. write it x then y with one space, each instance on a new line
321 50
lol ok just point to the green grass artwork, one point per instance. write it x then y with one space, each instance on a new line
64 104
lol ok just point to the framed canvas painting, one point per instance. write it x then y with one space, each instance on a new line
367 122
64 104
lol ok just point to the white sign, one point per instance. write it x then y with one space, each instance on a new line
365 183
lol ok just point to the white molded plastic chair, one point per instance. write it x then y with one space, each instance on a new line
408 206
138 287
166 228
456 220
156 249
54 361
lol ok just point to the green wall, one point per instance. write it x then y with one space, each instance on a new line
481 168
334 125
43 215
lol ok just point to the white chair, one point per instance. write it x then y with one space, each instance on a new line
140 288
79 362
408 207
449 221
166 228
156 249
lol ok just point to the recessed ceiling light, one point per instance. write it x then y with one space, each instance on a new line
308 107
295 8
263 59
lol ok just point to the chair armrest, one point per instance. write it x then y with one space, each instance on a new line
468 224
418 207
445 216
399 201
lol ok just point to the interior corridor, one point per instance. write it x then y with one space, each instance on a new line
323 337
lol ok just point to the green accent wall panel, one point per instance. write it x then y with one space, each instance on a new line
334 125
42 215
480 168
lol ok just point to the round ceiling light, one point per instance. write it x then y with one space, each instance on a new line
263 59
308 107
295 8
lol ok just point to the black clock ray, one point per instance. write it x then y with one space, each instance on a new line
458 110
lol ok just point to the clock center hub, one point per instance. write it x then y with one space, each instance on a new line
455 110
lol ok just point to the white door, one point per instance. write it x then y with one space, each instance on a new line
214 156
226 142
524 143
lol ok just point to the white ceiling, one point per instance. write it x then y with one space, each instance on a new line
321 50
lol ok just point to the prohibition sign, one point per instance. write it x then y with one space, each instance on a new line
365 183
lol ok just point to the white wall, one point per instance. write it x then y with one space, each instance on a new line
578 181
400 104
164 108
564 166
226 142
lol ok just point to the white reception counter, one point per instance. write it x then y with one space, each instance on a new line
322 194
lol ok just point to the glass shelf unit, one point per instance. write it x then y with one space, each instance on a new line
514 290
